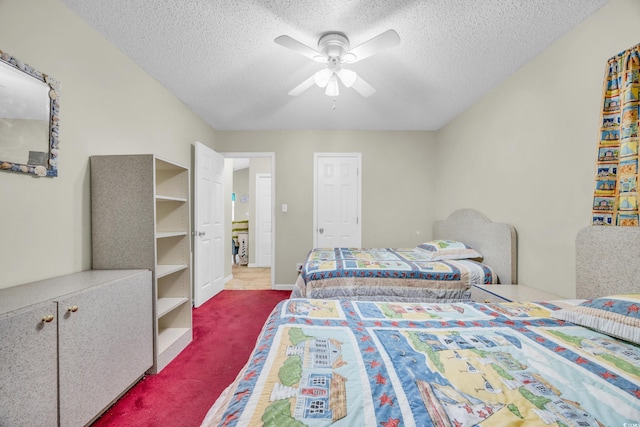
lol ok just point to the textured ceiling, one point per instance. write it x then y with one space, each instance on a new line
219 57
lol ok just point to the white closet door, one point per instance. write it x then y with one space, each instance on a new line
337 200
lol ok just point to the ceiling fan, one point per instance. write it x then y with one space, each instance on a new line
334 51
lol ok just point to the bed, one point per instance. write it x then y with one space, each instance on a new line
374 363
467 249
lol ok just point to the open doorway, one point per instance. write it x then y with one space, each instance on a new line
252 202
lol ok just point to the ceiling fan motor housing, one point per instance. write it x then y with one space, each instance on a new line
333 45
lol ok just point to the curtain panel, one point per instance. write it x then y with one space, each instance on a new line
615 200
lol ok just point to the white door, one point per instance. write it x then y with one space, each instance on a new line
337 200
209 244
263 220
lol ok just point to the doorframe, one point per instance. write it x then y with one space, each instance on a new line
272 156
358 156
258 228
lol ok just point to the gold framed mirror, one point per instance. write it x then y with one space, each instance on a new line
29 119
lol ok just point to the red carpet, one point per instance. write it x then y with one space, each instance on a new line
225 330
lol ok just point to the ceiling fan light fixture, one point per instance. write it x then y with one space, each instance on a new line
321 78
333 88
347 77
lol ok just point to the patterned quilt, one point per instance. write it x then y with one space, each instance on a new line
359 363
388 274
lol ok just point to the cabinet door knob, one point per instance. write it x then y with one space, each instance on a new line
48 319
73 308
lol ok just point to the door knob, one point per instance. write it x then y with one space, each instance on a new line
321 230
201 233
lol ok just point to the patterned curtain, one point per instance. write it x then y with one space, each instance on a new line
615 200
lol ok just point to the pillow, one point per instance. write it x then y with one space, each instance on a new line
615 315
438 250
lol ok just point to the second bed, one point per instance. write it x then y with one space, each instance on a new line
467 249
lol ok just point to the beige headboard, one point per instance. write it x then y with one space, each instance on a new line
607 261
498 243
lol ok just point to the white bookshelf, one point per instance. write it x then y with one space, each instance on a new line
141 219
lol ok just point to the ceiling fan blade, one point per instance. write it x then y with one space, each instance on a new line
298 47
377 44
302 87
321 78
363 88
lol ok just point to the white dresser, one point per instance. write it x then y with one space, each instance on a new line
70 346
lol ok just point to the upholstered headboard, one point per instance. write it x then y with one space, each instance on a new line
607 261
497 242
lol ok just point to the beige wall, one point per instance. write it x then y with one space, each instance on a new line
397 186
108 106
241 187
525 154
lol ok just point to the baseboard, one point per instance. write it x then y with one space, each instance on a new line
252 265
281 287
228 278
